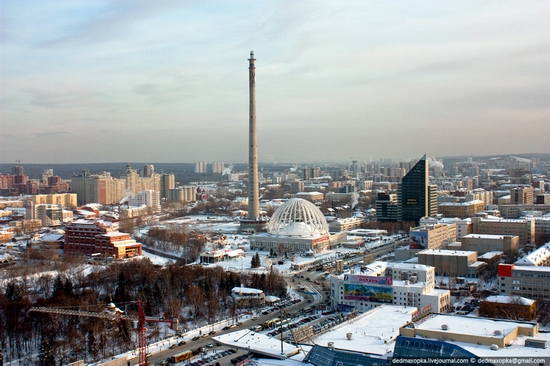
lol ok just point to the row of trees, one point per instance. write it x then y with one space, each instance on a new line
178 239
193 294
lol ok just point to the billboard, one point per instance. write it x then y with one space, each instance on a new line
418 240
366 292
368 279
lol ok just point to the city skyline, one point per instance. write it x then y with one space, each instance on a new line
166 81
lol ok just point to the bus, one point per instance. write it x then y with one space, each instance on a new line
185 355
281 323
272 322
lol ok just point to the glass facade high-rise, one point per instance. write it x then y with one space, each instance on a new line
416 198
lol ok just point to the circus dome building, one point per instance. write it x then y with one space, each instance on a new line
296 226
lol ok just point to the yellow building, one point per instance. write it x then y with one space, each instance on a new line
461 209
525 229
63 199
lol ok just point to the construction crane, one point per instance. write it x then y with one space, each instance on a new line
138 323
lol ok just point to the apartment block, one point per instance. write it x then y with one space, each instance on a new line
525 229
432 236
532 282
516 211
63 199
147 198
98 237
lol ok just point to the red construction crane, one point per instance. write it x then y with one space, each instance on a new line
137 323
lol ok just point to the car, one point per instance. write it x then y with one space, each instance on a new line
232 326
182 343
255 318
196 338
226 327
209 345
212 332
173 346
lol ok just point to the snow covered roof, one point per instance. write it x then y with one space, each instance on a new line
466 203
52 237
258 343
501 299
490 255
459 253
298 217
114 234
372 332
246 290
535 258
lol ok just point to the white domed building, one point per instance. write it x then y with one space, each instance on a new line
296 226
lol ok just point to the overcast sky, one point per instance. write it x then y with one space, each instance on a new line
167 81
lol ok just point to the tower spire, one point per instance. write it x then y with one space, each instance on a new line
253 194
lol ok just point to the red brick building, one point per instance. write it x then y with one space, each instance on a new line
93 237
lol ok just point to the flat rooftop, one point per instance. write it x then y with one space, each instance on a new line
258 343
373 332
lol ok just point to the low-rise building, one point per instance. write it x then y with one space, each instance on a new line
508 307
458 263
539 257
483 243
310 196
406 284
345 224
246 297
432 236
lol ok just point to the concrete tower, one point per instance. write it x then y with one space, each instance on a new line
253 222
253 194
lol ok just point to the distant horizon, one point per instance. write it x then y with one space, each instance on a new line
282 163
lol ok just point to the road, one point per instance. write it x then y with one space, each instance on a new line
315 295
166 352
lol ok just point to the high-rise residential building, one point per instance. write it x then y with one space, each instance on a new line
148 170
386 207
50 215
147 198
200 167
416 198
17 170
218 167
97 188
182 194
134 183
522 196
310 173
167 182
